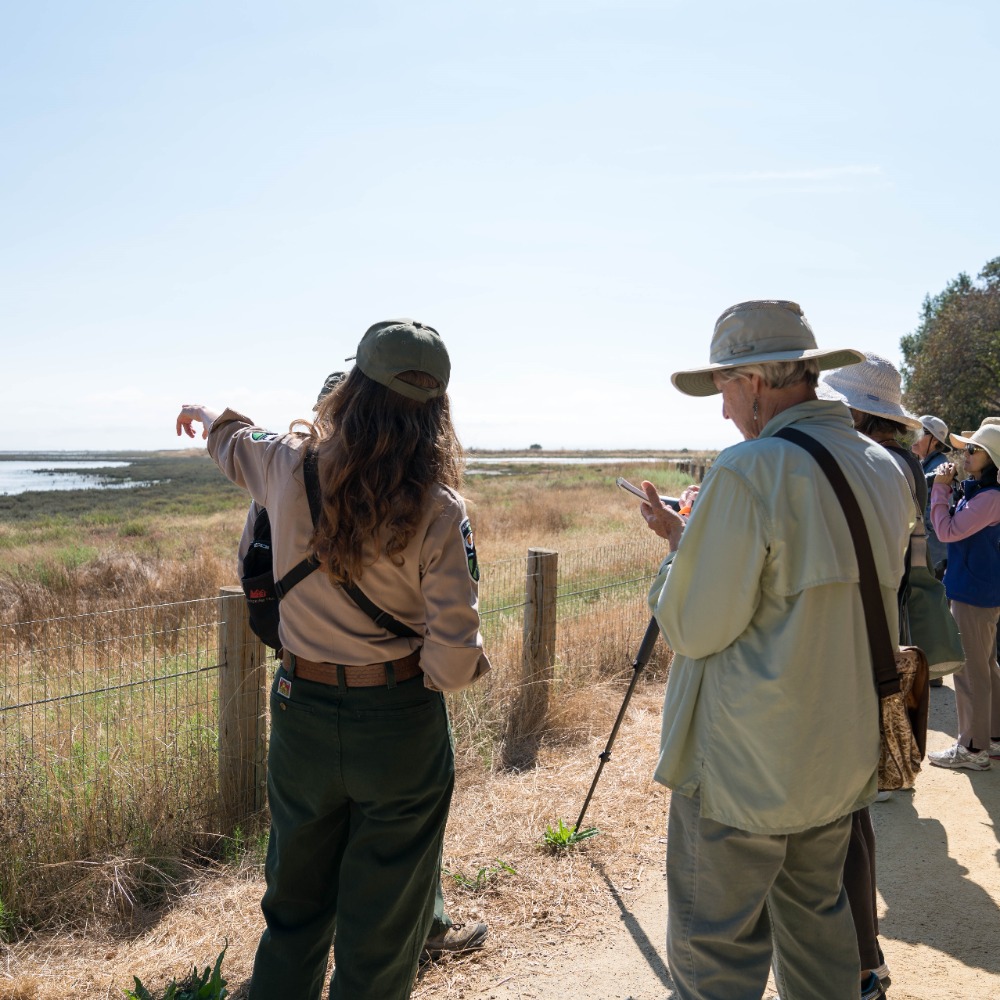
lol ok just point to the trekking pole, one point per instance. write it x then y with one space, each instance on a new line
641 659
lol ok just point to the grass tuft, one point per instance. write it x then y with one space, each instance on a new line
562 837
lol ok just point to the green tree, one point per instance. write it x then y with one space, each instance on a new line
951 362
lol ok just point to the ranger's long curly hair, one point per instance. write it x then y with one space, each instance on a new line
378 453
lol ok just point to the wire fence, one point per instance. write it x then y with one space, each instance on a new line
110 722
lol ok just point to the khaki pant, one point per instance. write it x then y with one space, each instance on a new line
735 898
359 784
977 684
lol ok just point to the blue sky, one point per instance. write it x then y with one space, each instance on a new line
210 202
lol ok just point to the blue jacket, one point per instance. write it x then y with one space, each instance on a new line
973 573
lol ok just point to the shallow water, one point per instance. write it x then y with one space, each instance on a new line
18 476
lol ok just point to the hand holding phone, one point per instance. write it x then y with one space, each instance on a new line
626 485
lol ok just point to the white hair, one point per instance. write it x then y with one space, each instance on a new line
774 374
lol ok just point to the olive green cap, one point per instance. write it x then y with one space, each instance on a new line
404 345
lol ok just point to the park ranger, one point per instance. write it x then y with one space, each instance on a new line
360 765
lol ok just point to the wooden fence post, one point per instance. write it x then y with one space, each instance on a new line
531 704
242 740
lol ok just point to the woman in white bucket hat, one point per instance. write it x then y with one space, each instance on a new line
972 581
873 391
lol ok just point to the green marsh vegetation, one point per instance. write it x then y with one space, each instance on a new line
107 804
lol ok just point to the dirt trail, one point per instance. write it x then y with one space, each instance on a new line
939 896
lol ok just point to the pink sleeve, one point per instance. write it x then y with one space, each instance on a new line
981 512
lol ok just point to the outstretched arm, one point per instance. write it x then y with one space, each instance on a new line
192 413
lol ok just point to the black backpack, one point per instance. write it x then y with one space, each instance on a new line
264 593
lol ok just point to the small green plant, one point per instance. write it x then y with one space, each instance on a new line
245 847
6 924
208 986
483 877
561 837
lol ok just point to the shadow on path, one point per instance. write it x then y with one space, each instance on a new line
931 895
647 949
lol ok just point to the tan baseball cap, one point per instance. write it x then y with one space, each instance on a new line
758 331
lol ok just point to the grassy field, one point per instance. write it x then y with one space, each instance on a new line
74 551
140 832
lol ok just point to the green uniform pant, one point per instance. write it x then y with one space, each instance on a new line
359 785
441 921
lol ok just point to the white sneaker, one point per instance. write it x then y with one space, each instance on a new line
883 975
995 749
883 796
960 756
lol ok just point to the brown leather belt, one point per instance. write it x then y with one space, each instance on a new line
366 675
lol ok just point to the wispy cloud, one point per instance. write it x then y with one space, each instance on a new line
811 174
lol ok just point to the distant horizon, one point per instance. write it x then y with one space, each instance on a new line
527 451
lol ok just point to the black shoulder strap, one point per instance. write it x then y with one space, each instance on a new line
310 470
883 656
381 617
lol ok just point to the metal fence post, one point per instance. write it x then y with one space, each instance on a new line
242 742
531 704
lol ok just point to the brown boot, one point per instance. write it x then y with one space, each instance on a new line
456 939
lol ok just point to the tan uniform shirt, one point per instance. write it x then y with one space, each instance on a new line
431 589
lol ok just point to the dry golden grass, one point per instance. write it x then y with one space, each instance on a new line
109 914
502 819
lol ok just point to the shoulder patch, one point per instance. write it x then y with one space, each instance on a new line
470 549
263 435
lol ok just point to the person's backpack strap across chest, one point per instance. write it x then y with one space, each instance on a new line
264 593
381 617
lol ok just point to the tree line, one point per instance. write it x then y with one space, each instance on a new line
951 362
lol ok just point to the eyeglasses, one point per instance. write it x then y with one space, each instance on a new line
971 449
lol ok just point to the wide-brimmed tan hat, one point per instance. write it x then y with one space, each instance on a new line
750 333
870 387
987 437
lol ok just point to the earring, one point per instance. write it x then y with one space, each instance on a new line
756 409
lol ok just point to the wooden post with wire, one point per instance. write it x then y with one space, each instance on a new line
530 707
242 736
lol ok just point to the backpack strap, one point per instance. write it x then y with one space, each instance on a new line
883 655
310 470
380 616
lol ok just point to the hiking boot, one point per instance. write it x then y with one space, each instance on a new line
994 749
960 756
871 988
456 939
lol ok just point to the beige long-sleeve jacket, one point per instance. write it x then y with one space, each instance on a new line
431 589
771 712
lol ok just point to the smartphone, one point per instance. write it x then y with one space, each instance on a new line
626 485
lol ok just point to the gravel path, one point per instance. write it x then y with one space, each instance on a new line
939 896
